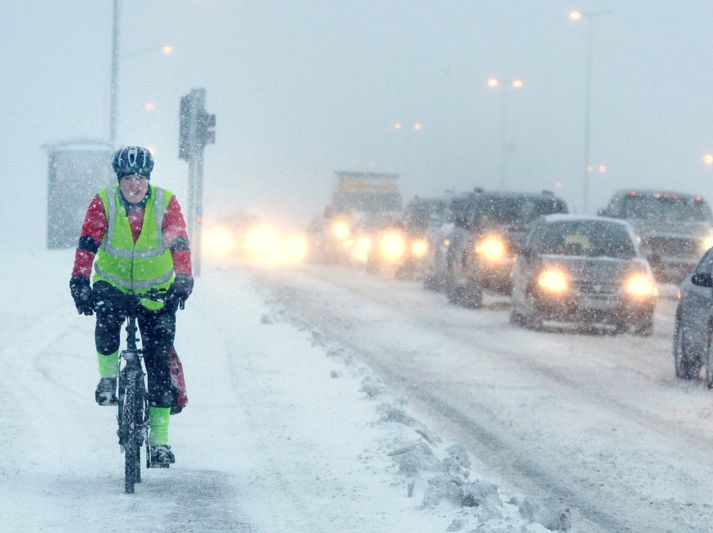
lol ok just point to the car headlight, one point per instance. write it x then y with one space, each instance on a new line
392 246
360 253
492 248
219 241
641 286
553 281
707 243
341 230
419 247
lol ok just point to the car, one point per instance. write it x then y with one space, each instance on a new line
693 326
583 269
488 228
674 228
439 235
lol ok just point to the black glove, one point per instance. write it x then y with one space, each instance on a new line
180 290
82 294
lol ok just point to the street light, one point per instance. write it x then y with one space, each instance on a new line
578 16
504 86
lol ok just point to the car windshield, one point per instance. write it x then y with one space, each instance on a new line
588 238
667 207
516 210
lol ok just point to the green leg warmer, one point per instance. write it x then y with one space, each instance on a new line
159 418
108 365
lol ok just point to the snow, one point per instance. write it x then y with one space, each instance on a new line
285 430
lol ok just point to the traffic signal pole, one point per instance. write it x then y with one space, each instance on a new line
197 128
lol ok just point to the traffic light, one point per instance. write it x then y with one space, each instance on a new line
205 128
197 127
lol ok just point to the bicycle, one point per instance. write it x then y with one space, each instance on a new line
133 404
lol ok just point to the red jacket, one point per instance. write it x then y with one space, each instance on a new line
96 225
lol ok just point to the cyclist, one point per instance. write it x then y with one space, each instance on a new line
138 235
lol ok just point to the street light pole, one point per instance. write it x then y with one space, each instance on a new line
113 87
504 88
588 17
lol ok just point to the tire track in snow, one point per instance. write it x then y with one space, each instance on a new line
483 432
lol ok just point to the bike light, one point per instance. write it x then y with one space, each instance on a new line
554 281
641 286
341 230
392 246
419 247
492 248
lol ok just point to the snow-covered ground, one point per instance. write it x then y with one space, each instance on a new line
286 429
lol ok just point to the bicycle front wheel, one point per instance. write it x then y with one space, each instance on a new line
131 417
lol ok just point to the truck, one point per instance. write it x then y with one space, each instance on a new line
360 201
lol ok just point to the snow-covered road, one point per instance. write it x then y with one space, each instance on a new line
596 420
285 430
325 399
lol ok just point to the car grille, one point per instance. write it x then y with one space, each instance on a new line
673 246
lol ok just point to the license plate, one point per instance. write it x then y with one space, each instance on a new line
593 302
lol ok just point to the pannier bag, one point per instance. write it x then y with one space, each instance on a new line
178 384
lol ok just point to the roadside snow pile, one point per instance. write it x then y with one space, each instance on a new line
438 476
441 478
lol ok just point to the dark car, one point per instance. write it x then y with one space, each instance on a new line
692 338
585 270
488 229
674 228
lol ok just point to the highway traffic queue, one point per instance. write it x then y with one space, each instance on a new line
599 270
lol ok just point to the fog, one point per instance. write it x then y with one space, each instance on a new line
302 89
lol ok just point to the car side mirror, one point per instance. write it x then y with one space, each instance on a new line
702 279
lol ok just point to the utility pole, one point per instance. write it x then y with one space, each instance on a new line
114 83
197 128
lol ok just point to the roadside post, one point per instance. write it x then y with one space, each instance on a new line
197 129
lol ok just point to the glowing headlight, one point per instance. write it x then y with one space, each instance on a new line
219 241
553 281
419 247
341 230
261 241
492 248
392 246
295 248
707 243
641 286
361 249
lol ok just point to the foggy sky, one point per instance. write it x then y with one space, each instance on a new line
304 88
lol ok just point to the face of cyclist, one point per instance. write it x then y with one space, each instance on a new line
134 188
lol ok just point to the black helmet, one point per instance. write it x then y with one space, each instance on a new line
132 160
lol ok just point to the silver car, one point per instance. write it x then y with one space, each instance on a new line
586 270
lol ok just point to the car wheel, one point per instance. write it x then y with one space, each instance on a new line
686 367
472 297
516 319
532 318
709 362
643 327
454 293
430 283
